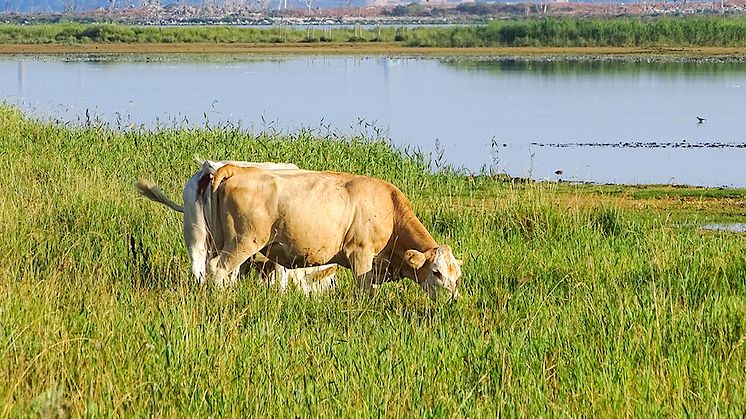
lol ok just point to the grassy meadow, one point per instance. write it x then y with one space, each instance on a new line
576 300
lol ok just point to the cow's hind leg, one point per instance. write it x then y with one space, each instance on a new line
270 273
195 239
316 279
224 267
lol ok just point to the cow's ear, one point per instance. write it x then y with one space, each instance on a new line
414 258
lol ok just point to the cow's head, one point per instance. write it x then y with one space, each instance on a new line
435 269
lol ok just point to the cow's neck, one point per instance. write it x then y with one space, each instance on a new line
410 234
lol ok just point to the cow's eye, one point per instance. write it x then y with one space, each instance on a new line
436 272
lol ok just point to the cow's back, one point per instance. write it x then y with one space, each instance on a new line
307 217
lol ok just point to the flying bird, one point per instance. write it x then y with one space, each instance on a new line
700 120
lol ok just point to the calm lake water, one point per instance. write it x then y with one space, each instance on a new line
598 121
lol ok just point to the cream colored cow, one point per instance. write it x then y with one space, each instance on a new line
301 218
197 237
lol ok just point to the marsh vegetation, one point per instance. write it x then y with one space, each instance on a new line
711 31
576 300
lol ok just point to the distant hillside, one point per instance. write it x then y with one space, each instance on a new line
50 6
191 10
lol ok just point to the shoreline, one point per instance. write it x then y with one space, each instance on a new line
376 49
659 190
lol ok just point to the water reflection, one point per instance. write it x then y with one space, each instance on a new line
601 66
21 77
729 227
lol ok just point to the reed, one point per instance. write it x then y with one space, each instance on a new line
710 31
593 32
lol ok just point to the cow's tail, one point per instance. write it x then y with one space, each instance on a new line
211 210
149 190
213 198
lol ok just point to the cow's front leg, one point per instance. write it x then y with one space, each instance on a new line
362 267
366 282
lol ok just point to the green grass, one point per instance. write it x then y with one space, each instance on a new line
77 33
716 31
575 302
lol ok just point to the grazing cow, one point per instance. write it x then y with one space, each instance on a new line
197 237
302 218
